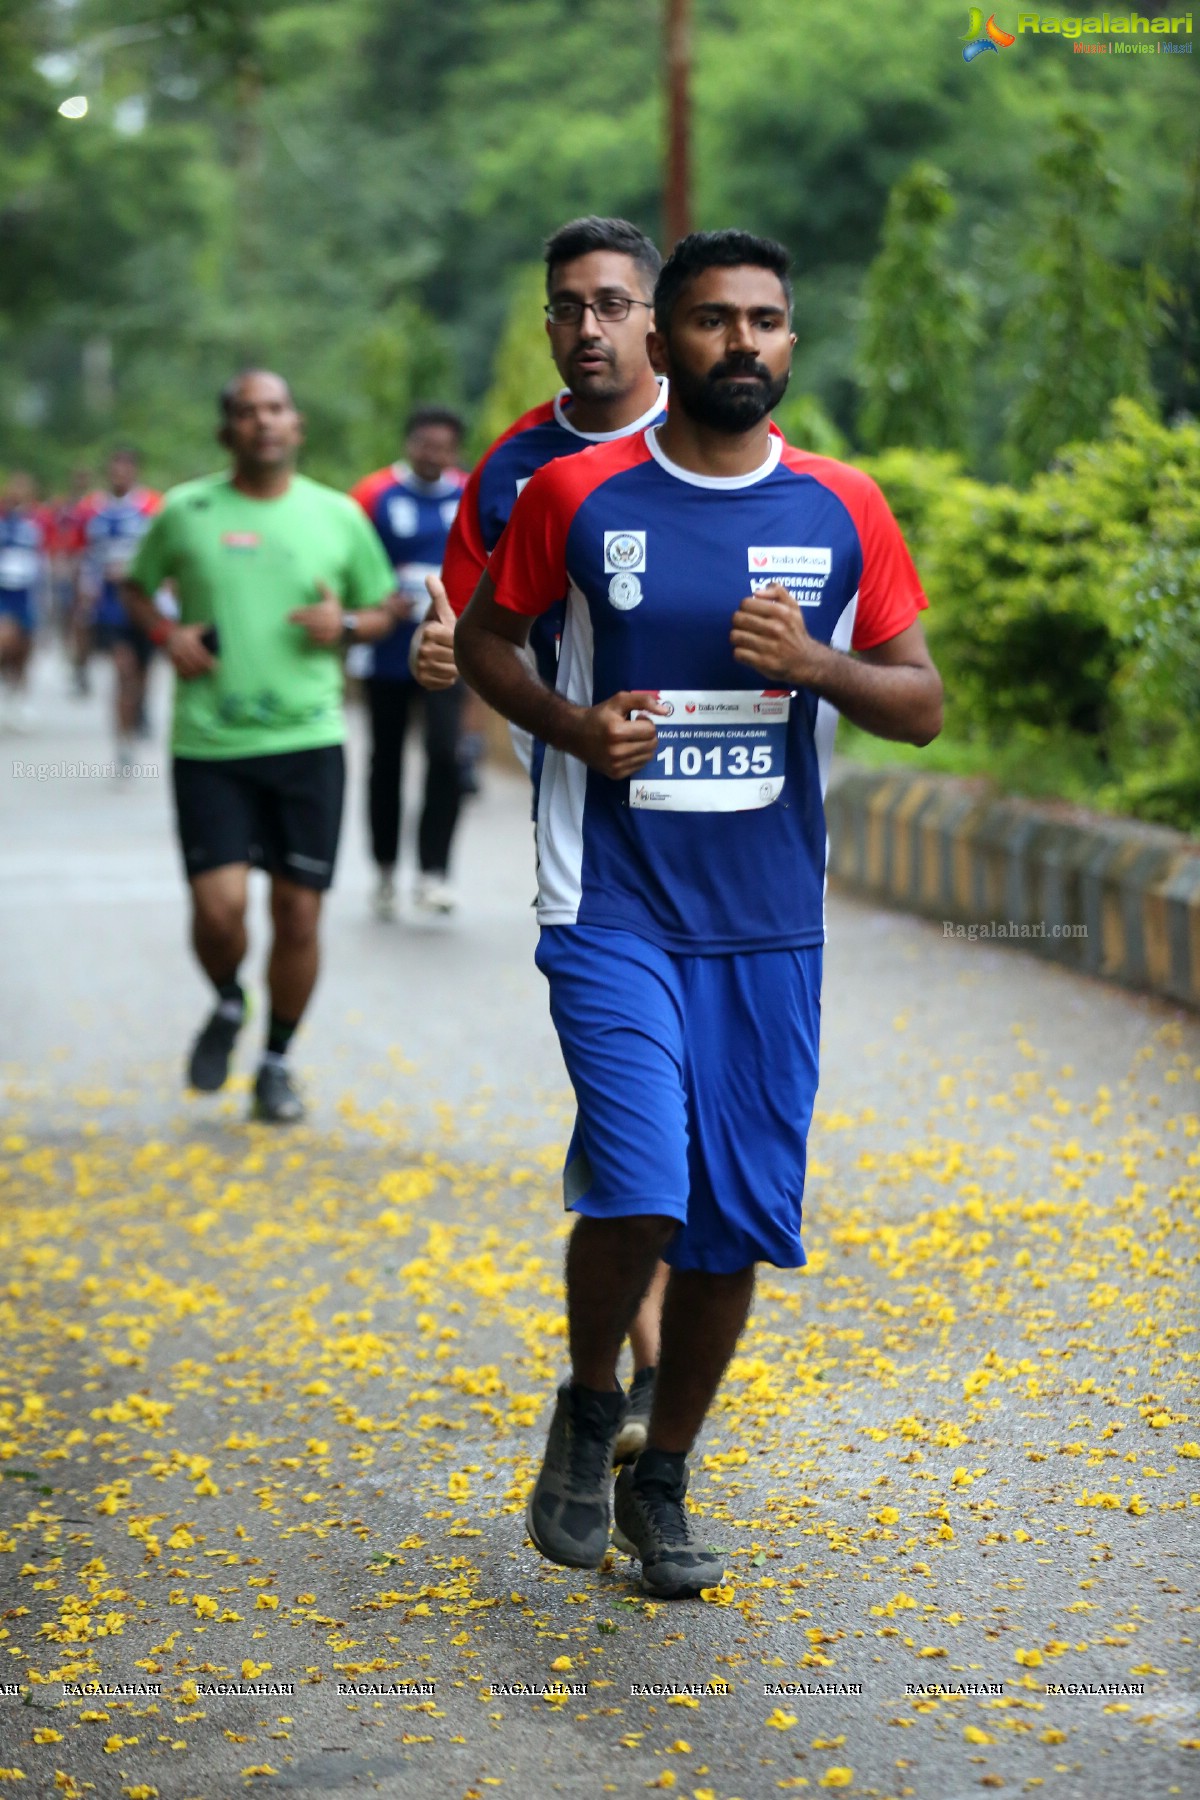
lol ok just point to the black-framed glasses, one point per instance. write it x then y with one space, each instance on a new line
609 309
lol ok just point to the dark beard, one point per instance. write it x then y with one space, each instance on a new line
732 410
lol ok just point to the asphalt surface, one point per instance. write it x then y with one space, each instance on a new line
271 1401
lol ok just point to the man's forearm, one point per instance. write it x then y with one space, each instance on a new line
373 623
901 701
141 609
499 672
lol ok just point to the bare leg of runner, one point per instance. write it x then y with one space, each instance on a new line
703 1316
129 699
219 921
292 970
16 645
644 1335
610 1264
646 1330
219 940
291 977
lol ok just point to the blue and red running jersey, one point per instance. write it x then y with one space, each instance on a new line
113 529
538 437
22 563
413 519
718 844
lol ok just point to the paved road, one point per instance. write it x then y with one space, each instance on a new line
271 1403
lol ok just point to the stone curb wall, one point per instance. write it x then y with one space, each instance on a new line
952 850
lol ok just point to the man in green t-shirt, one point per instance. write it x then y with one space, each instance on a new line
274 574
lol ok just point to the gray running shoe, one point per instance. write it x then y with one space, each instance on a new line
568 1514
208 1063
276 1100
654 1525
631 1439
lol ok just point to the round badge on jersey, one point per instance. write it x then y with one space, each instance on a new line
624 592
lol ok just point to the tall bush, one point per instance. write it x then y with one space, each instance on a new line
1080 334
919 324
1067 615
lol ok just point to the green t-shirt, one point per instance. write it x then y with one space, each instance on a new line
243 565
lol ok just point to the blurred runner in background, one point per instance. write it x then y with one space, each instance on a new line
115 523
67 535
23 572
412 505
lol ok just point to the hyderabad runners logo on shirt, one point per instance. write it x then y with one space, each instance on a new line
803 569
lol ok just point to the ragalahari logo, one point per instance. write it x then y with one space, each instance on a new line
984 37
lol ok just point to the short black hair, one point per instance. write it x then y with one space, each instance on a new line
581 236
229 393
127 450
434 415
716 250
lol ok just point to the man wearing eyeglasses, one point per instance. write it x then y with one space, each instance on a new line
600 276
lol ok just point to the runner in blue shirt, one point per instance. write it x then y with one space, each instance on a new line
412 505
727 597
22 574
600 276
116 522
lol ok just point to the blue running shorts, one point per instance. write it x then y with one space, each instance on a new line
17 604
694 1079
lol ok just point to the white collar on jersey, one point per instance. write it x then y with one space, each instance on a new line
723 483
441 489
609 437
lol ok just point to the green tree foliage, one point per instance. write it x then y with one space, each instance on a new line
285 180
1156 614
1081 334
805 423
404 361
523 374
1065 616
918 332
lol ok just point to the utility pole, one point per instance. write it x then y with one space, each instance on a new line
677 191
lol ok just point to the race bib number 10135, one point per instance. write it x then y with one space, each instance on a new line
720 751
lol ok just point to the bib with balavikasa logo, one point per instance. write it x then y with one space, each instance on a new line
720 751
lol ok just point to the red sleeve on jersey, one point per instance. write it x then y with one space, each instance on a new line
466 557
529 564
466 552
368 490
890 596
149 502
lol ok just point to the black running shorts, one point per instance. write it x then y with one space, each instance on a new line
280 813
107 637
